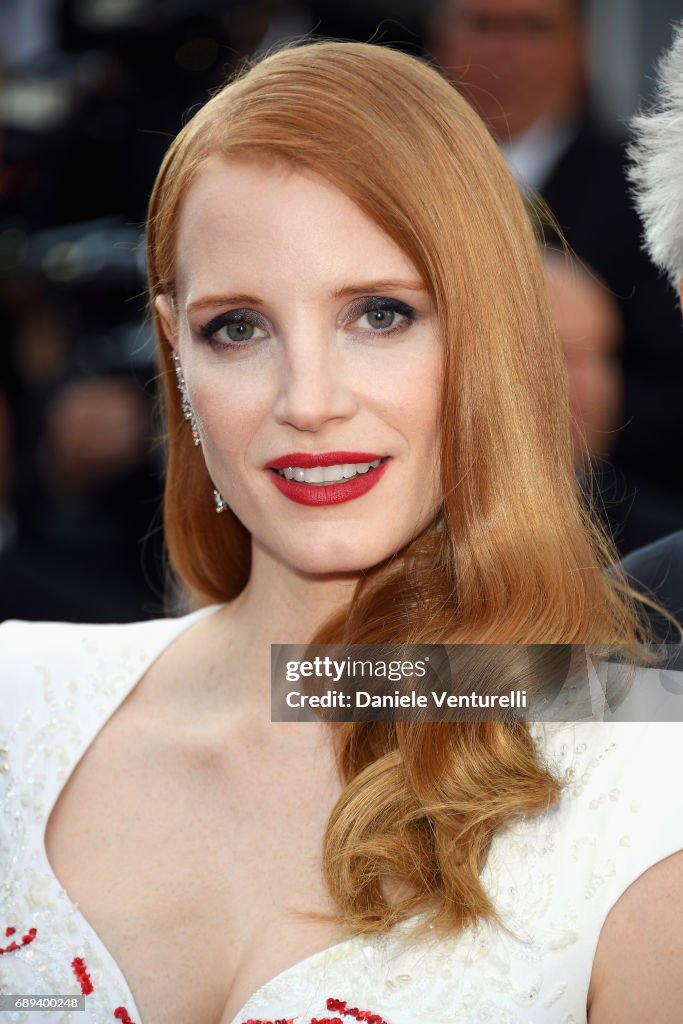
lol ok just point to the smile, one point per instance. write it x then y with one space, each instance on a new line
327 479
328 474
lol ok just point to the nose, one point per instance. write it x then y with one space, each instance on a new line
316 386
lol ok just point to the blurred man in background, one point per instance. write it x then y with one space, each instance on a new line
590 330
522 64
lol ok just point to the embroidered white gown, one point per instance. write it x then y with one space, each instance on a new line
553 878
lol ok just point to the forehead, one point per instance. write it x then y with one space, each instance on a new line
245 218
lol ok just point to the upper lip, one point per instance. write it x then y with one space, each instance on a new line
307 460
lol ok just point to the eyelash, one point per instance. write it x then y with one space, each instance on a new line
234 316
380 304
359 309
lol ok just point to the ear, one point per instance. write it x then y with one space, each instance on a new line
168 318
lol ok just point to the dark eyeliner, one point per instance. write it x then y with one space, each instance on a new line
367 305
234 316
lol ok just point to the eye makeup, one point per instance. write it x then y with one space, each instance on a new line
240 326
388 308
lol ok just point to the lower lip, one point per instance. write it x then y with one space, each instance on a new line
329 494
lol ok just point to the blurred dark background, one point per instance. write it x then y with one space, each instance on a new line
92 92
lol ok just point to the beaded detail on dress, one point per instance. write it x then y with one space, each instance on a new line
553 879
55 698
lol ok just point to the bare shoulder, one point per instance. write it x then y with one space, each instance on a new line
637 969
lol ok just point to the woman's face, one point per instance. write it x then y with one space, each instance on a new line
309 346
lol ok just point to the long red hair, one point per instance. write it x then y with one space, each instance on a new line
512 556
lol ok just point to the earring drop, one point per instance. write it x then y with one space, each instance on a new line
185 400
218 501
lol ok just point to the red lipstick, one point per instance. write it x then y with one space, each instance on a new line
326 494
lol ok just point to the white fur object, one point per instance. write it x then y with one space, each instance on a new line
657 164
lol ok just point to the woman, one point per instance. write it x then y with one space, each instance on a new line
362 380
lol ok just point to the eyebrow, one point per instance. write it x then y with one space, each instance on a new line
377 287
346 291
223 300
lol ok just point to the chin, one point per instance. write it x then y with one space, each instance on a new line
340 556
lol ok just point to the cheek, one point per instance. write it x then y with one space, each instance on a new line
228 406
411 402
427 413
417 395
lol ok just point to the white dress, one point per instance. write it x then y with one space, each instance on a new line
553 879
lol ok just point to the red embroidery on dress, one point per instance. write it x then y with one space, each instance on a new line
25 939
338 1005
352 1011
82 976
121 1013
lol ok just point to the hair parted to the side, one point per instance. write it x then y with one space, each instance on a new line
656 158
511 556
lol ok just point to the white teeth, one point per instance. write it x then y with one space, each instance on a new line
327 474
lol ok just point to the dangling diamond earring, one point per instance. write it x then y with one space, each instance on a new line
185 400
218 501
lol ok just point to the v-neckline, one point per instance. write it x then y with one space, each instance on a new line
179 627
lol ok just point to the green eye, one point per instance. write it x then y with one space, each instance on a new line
381 317
239 331
234 329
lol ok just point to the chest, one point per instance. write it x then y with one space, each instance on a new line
197 863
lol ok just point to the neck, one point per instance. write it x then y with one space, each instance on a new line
227 656
281 605
278 606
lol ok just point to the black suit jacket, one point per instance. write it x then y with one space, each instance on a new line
657 570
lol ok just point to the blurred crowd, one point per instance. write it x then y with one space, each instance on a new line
91 93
